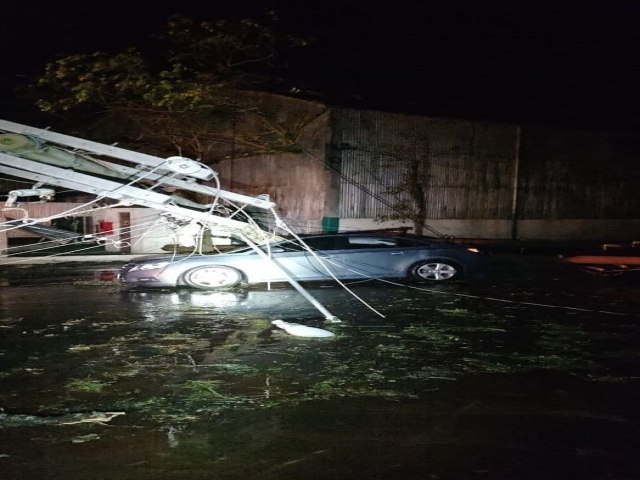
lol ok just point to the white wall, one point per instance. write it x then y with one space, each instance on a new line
145 237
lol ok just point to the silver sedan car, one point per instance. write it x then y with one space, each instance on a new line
321 258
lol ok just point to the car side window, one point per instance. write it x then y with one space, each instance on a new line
326 243
408 242
286 247
372 242
314 243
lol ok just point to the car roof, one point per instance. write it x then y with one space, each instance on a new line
363 234
415 238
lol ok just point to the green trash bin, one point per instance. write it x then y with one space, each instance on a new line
330 224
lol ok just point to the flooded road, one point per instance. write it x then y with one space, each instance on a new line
531 373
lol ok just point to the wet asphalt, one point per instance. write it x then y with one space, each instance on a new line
529 373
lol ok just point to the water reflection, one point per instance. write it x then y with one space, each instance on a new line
445 387
209 299
106 275
171 305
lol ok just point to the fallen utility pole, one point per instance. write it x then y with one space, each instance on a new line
131 178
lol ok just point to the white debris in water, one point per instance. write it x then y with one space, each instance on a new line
298 330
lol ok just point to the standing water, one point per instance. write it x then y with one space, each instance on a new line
531 374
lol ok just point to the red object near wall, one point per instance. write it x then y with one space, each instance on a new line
105 227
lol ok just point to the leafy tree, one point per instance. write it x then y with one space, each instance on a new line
197 92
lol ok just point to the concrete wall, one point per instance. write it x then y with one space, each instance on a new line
474 177
296 180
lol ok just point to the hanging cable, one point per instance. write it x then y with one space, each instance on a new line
321 261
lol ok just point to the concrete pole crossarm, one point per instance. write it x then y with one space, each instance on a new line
50 175
132 195
180 165
165 171
190 186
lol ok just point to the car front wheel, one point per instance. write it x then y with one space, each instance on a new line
435 270
212 277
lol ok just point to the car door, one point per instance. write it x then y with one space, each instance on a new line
295 259
342 256
338 255
372 257
311 266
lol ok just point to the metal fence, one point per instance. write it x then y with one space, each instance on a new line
481 170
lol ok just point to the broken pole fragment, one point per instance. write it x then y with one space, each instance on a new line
298 330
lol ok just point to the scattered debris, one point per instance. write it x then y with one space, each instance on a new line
21 420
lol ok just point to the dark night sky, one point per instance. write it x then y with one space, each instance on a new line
561 62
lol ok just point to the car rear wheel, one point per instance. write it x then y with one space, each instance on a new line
435 271
212 277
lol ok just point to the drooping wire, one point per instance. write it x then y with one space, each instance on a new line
321 261
97 199
52 244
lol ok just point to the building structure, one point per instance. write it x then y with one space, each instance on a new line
361 170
